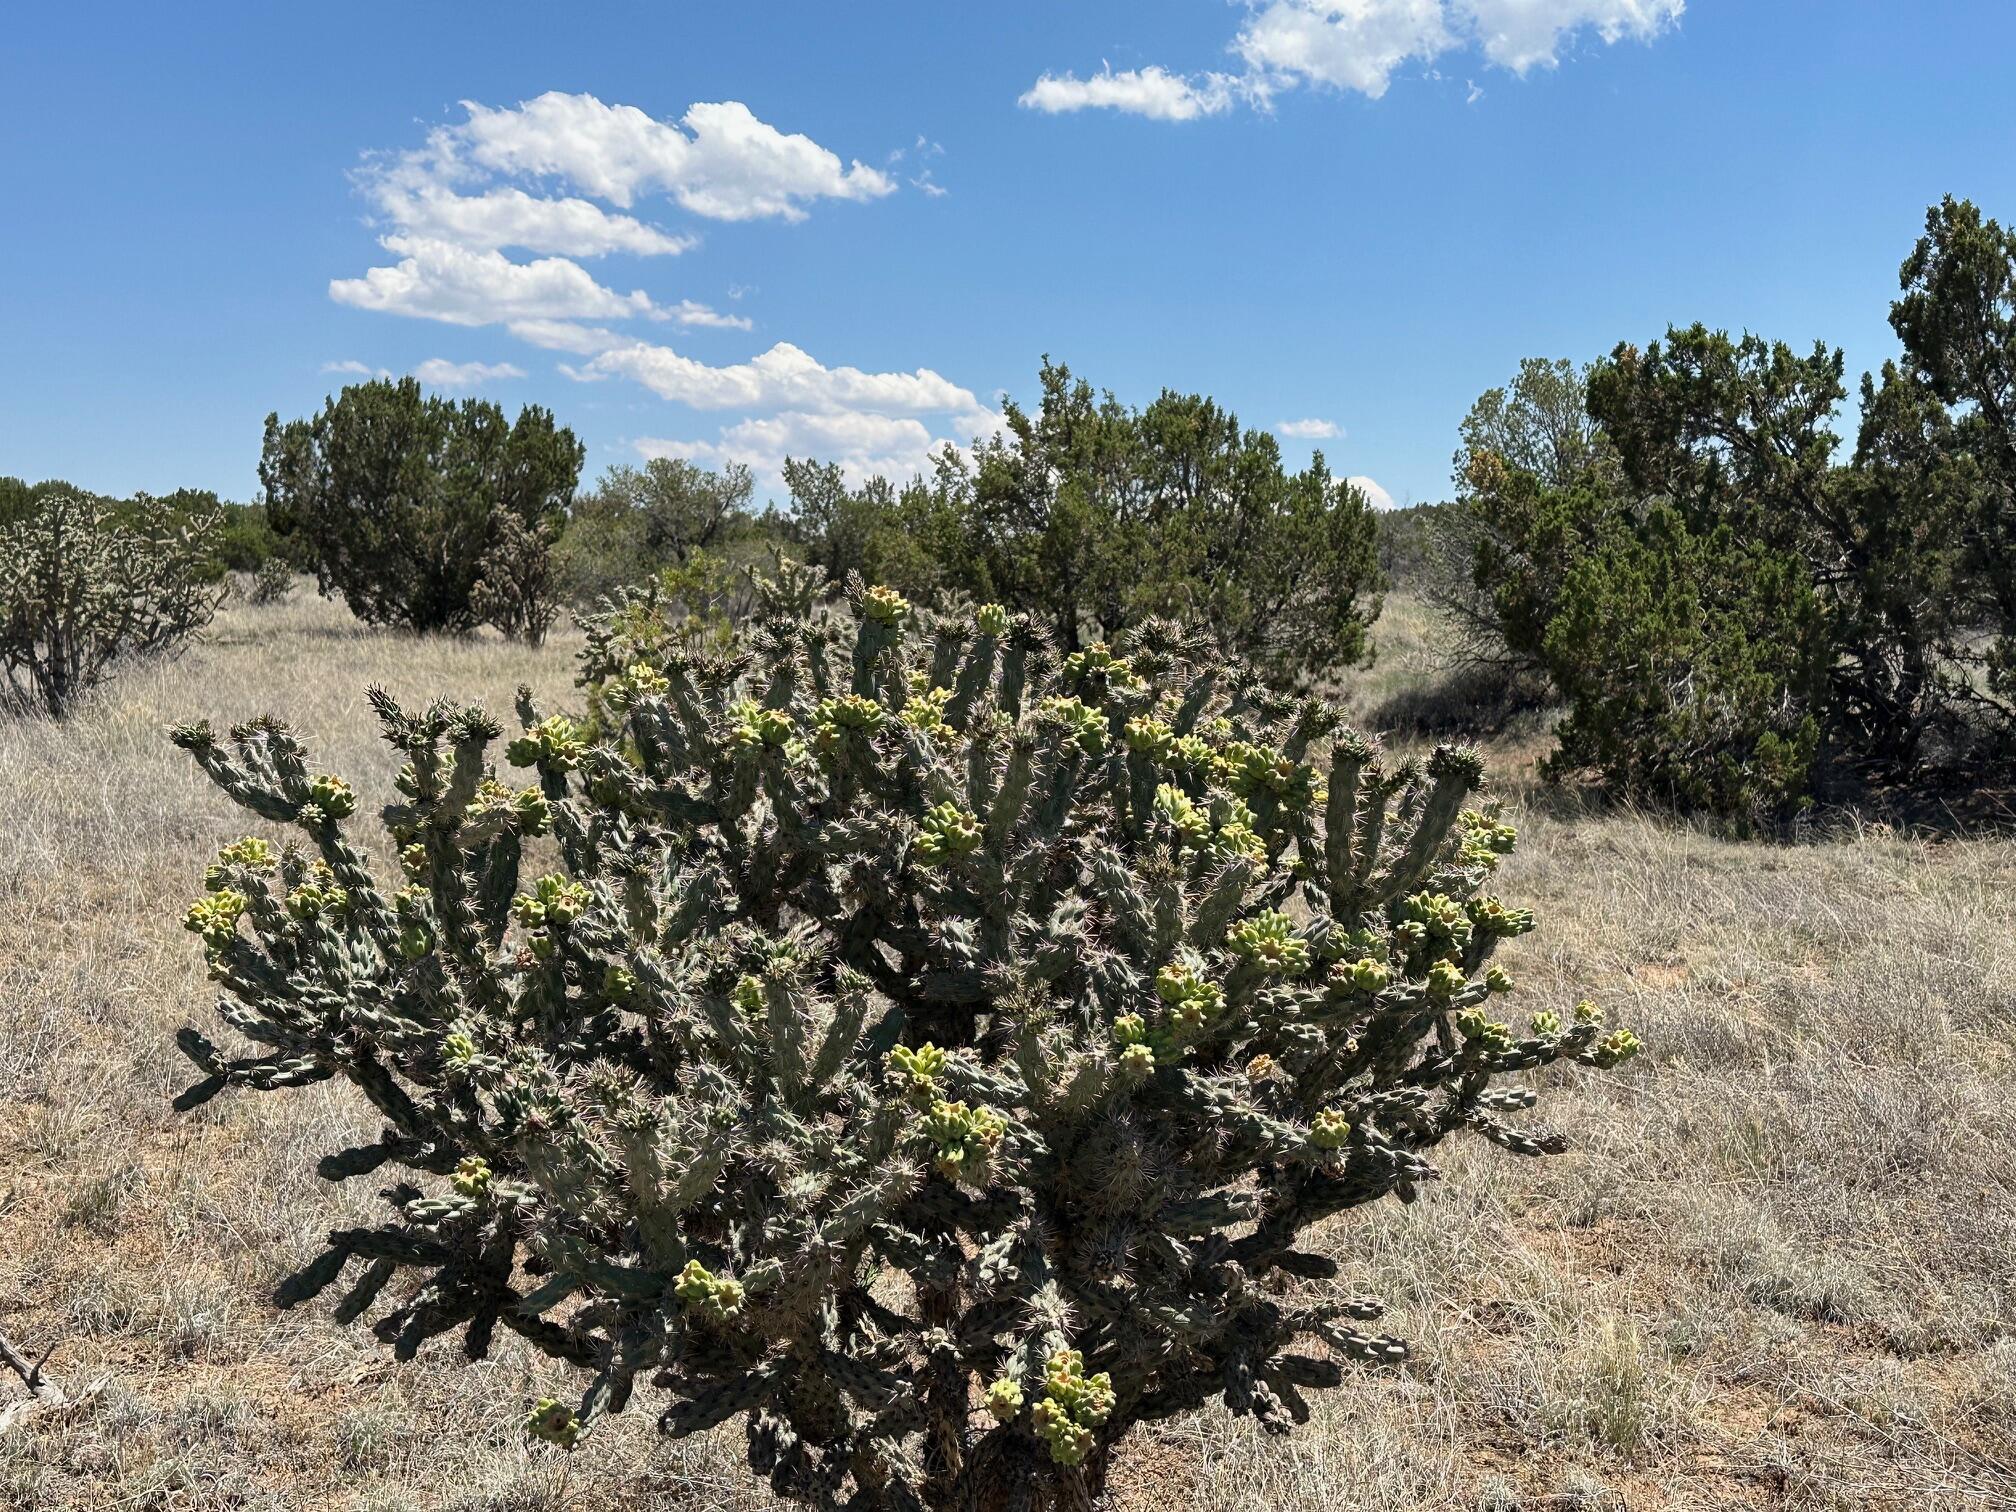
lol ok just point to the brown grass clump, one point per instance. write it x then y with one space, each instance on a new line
1775 1273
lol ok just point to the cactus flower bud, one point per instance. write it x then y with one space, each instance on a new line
553 1422
1004 1400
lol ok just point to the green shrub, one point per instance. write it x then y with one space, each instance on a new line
1092 516
397 500
1691 666
902 1018
85 584
639 521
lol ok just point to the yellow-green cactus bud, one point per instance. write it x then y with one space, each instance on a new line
1072 1405
1137 1063
1191 823
1434 918
1491 917
839 718
553 900
472 1176
1329 1130
618 983
916 1071
1004 1400
1615 1048
966 1139
215 916
1260 1068
949 831
1587 1012
553 743
1192 753
554 1422
1097 662
333 796
1364 975
1445 980
1151 737
992 619
639 680
1193 1001
458 1050
1085 725
532 812
756 728
885 606
749 998
925 712
1546 1024
1269 941
413 859
251 853
1498 979
1474 1024
715 1298
1129 1029
311 900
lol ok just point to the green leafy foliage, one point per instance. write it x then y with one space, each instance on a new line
396 501
1091 516
889 1017
1733 615
668 515
85 584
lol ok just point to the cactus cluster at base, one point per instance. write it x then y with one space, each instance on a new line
886 1018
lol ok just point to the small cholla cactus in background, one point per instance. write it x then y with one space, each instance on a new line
890 1019
85 587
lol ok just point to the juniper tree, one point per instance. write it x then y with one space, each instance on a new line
395 499
927 1047
85 583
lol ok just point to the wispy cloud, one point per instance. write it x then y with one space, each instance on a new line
439 372
1310 430
1357 45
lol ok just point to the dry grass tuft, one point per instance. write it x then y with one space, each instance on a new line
1775 1273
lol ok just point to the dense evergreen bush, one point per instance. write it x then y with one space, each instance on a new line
1091 516
926 1046
398 501
1735 617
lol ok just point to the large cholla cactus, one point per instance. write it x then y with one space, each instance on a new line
921 1045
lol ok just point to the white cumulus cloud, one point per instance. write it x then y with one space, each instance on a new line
1153 92
1525 34
438 280
1357 45
1376 496
1310 430
488 222
509 217
784 377
441 373
718 160
1352 44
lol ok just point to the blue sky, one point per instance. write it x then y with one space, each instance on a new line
1354 214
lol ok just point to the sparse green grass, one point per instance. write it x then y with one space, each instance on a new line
1775 1272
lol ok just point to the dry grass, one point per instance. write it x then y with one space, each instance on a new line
1776 1273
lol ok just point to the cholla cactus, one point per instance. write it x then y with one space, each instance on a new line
82 588
814 998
